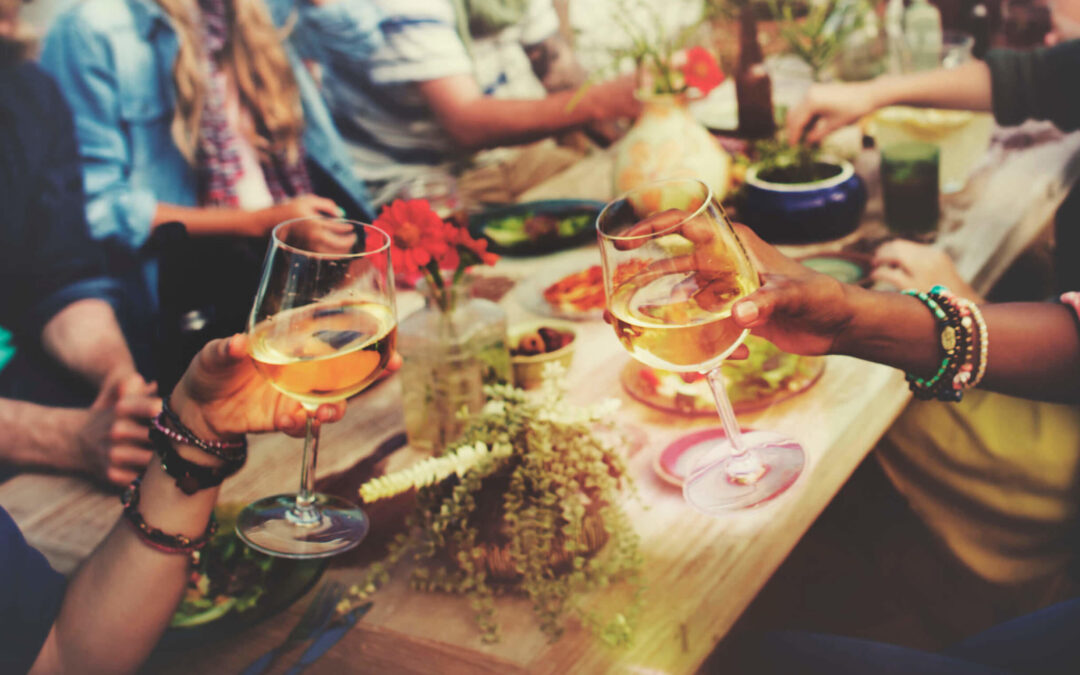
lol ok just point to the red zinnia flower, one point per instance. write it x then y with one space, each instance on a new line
419 236
701 70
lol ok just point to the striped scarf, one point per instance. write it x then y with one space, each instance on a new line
218 163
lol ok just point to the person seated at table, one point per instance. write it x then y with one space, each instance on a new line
993 477
447 81
196 111
1015 85
1034 353
70 397
112 612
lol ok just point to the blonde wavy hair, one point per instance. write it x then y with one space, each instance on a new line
255 61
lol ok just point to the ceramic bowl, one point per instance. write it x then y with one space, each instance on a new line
529 370
794 213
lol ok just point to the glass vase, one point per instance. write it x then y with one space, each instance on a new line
451 349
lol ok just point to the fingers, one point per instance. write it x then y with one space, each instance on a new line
130 457
658 222
223 353
394 364
741 352
128 431
120 477
138 407
758 307
797 120
325 206
896 277
900 252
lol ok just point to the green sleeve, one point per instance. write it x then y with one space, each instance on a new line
1040 84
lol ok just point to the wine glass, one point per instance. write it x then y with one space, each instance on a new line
322 328
673 268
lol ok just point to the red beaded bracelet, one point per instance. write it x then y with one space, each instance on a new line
230 451
155 538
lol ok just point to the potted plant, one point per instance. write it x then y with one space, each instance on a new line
527 501
794 194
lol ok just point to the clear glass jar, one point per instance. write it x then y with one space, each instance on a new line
449 355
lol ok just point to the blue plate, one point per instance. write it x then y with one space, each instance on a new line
479 224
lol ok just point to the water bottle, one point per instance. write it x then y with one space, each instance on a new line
922 31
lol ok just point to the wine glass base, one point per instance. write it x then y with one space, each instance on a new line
710 488
270 526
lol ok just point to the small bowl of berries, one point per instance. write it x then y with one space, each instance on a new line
536 344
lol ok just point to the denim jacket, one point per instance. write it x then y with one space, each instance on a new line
113 59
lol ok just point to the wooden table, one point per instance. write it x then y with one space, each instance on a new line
701 572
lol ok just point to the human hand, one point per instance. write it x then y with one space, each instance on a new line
262 221
614 99
112 441
905 264
797 309
323 235
828 107
221 395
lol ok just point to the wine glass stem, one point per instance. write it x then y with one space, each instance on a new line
744 466
305 512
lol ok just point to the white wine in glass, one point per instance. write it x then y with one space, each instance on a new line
322 328
673 269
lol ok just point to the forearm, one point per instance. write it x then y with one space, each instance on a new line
37 436
965 87
207 221
86 339
1034 348
487 122
120 602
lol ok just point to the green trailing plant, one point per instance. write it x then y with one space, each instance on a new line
528 500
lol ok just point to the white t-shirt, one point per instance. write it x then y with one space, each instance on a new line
391 131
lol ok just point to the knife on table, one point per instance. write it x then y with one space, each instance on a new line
327 639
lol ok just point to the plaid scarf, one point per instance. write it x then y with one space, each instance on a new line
218 160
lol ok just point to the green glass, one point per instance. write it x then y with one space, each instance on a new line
909 186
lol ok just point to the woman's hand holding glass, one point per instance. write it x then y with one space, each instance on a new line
673 270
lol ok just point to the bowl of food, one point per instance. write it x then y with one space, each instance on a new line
534 228
534 345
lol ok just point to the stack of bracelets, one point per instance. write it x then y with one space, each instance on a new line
165 430
965 346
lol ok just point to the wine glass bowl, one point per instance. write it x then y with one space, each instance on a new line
673 269
322 328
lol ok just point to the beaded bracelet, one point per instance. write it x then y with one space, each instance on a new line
155 538
189 476
984 341
926 388
227 450
959 376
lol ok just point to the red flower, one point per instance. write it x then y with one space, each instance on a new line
419 236
701 70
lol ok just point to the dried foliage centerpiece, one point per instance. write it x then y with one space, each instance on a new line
527 501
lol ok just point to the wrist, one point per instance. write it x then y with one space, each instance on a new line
191 415
249 223
881 92
853 305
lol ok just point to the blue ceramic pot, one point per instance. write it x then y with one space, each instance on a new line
795 213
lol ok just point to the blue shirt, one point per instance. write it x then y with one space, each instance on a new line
30 595
47 258
114 62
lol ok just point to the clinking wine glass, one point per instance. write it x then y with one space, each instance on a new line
673 268
322 328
